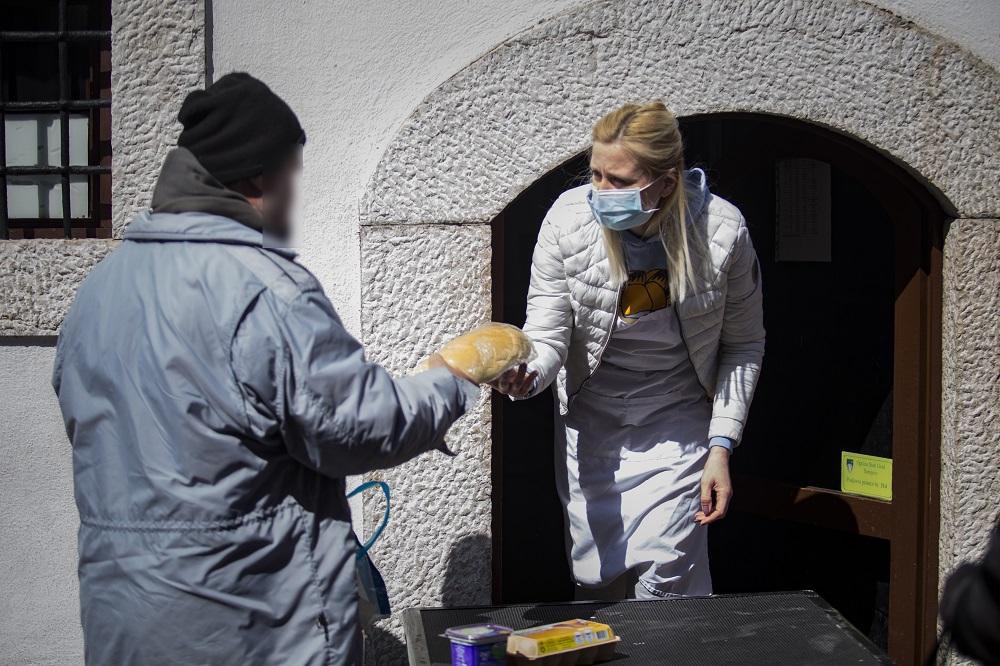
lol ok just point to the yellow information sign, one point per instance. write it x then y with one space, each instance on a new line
866 475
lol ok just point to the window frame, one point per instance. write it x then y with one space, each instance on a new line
97 104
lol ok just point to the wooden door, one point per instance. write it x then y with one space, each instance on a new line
852 364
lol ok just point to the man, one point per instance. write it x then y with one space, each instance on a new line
215 404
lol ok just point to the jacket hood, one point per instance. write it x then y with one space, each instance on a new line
696 185
697 192
185 186
189 204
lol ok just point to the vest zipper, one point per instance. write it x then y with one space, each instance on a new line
680 327
607 338
604 345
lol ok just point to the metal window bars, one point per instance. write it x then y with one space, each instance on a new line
63 37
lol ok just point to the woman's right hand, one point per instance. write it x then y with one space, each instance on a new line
516 382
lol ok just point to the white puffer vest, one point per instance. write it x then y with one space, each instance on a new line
572 307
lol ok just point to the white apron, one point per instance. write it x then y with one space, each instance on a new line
630 454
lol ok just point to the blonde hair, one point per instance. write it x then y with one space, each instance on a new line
650 135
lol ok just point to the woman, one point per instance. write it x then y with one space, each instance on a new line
645 308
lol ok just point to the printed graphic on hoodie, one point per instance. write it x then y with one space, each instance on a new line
645 292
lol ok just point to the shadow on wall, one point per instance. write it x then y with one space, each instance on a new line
463 577
385 647
382 647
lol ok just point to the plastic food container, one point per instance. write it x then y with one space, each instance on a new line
478 644
569 643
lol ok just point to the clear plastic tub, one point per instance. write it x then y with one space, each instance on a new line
562 644
478 644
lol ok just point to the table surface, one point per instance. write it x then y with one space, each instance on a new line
744 629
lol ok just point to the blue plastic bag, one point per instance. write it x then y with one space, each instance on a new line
373 598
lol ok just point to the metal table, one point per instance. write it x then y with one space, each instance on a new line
770 628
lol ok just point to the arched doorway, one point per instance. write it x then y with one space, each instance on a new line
501 123
852 364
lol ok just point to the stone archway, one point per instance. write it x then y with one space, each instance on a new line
527 106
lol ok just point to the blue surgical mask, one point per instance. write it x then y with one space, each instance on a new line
619 210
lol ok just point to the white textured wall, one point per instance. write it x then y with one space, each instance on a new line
39 611
970 473
429 283
157 53
354 72
157 56
975 24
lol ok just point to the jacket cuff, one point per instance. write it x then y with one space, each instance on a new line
470 393
444 382
720 441
723 426
465 395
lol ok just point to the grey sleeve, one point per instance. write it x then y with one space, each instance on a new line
305 380
741 345
549 316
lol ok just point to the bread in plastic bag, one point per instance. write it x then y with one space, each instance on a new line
488 351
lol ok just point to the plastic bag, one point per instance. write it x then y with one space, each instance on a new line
373 597
488 351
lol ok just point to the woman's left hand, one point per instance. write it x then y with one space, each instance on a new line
716 488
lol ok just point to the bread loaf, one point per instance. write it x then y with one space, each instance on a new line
486 352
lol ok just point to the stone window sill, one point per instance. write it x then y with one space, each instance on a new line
39 278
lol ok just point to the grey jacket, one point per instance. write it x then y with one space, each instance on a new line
572 307
215 403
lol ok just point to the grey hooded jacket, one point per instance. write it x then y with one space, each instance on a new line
215 403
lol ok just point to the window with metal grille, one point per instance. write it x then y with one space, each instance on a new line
55 119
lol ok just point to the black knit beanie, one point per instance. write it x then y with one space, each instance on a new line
238 128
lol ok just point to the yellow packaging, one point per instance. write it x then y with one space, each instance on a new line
559 637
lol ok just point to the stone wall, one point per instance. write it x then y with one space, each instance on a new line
494 127
38 280
970 423
157 56
432 282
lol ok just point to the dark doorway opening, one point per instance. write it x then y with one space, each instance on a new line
527 515
852 364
